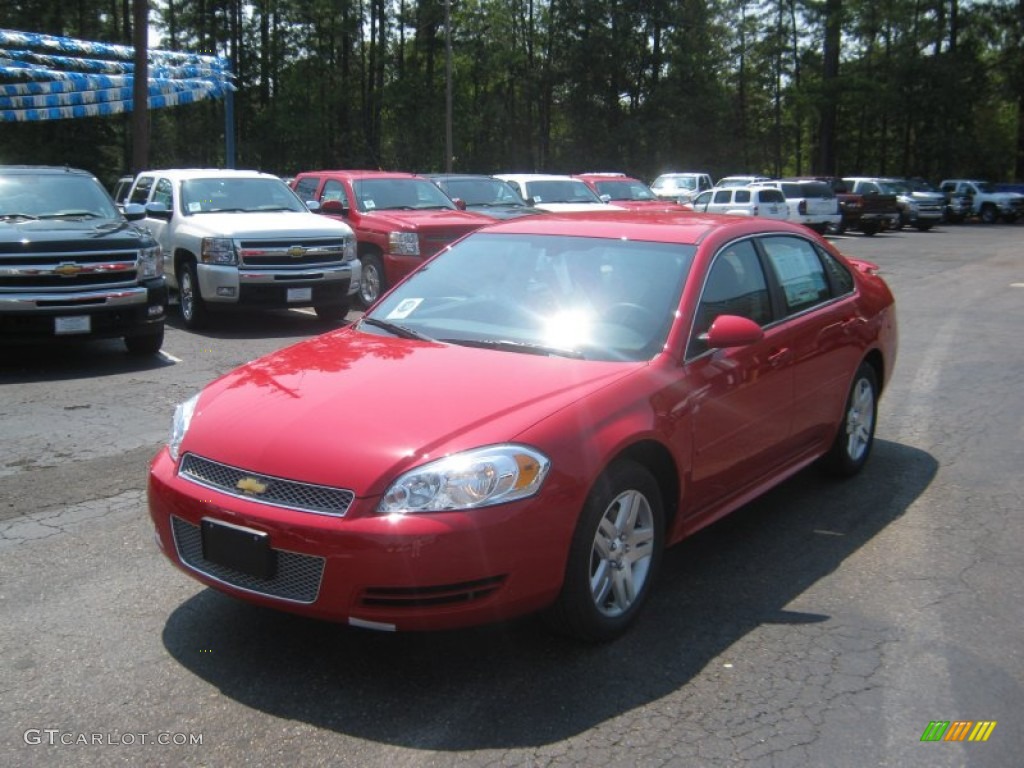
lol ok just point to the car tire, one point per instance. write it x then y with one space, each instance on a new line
989 214
1010 218
856 434
145 345
332 313
924 226
870 229
614 556
372 283
193 309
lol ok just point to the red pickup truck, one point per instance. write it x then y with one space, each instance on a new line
400 220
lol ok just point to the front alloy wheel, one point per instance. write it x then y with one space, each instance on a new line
371 284
614 555
193 308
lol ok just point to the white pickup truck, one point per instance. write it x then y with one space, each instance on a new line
987 203
236 238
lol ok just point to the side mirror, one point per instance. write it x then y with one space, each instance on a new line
333 207
158 211
133 211
459 203
312 206
733 331
606 198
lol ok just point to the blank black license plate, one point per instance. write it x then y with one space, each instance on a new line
242 549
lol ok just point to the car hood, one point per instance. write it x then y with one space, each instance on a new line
26 235
352 410
426 219
578 207
267 224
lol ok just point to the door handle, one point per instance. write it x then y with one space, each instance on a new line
778 356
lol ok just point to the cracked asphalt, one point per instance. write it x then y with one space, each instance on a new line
823 625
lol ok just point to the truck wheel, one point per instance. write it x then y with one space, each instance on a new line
332 313
989 215
870 228
149 344
924 226
1010 218
373 283
193 308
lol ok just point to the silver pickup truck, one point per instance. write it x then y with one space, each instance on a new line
243 239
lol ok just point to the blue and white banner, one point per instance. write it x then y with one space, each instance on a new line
43 77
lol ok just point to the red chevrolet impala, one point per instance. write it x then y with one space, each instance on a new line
525 422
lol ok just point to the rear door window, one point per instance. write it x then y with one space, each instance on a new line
799 272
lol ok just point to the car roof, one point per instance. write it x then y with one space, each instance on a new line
535 176
684 228
50 170
206 173
605 177
355 173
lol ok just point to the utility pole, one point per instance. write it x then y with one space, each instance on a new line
448 86
140 87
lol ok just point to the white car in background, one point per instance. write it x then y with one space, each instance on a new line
740 181
681 187
766 202
552 192
811 203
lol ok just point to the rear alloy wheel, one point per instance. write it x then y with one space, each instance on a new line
332 313
989 214
856 435
149 344
614 555
372 283
193 308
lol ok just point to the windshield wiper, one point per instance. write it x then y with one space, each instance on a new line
400 331
227 210
18 216
70 215
525 347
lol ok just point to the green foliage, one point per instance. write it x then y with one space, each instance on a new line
641 86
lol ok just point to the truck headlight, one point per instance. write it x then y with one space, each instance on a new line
219 250
348 252
151 263
404 243
478 478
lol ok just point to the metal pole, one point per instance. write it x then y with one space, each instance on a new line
448 86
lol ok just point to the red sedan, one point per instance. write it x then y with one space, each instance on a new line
526 422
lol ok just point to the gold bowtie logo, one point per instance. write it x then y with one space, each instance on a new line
251 486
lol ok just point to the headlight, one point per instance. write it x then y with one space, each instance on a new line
404 243
477 478
179 425
219 250
150 263
349 252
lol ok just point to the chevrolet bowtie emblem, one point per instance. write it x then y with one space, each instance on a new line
296 251
67 269
251 486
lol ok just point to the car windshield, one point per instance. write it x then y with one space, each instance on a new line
559 191
897 187
400 195
54 196
625 190
674 182
920 185
586 297
237 195
986 187
483 192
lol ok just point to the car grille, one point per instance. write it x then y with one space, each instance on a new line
290 494
420 597
297 577
68 271
291 253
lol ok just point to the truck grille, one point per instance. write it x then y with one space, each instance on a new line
276 491
297 576
291 253
67 271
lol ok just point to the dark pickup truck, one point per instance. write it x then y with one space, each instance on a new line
864 204
72 266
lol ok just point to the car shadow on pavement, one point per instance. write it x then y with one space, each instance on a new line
261 324
65 362
515 685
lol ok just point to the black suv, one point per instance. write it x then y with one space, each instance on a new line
72 266
483 194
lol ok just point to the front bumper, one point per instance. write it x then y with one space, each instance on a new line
29 318
398 572
278 288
